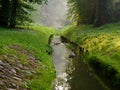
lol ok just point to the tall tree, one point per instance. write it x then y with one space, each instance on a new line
13 12
116 8
19 12
4 12
103 12
82 11
97 12
14 5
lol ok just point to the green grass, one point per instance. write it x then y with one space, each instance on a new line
103 44
35 40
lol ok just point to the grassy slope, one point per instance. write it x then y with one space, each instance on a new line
103 44
37 41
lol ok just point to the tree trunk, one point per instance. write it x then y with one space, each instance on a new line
103 12
13 13
4 13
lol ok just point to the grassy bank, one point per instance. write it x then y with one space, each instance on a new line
20 45
103 45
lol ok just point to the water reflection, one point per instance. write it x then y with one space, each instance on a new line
72 73
77 77
59 58
80 78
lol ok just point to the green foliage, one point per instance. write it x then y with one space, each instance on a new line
90 11
103 44
81 11
15 12
35 40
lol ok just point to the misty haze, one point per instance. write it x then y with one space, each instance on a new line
52 14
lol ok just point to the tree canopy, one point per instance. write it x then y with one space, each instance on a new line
14 12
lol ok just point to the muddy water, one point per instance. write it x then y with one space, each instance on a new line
72 74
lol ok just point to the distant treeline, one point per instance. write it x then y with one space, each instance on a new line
97 12
15 12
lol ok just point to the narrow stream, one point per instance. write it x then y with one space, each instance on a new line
72 74
81 77
59 57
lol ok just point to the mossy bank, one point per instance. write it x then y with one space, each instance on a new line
102 46
25 58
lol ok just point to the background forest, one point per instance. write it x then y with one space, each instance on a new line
25 52
97 12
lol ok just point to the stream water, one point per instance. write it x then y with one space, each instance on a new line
72 73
